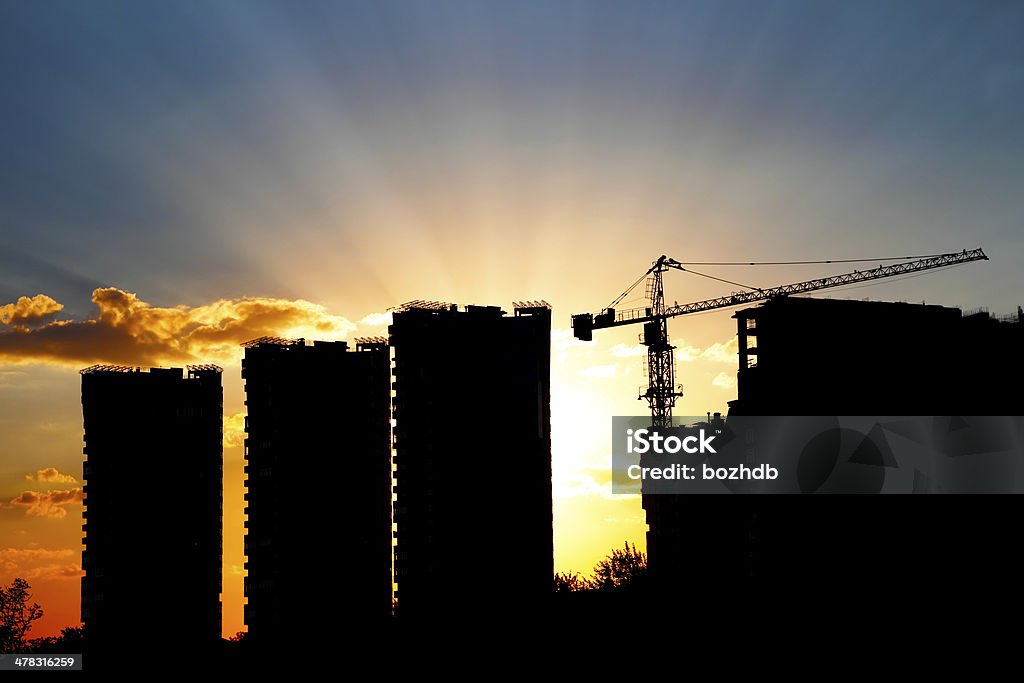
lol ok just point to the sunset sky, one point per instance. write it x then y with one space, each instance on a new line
178 177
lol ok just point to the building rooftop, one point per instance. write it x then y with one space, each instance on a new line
193 370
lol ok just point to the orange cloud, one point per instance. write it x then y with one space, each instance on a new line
50 504
56 571
234 430
379 320
51 474
39 563
719 352
724 381
70 571
29 311
20 555
722 352
129 331
21 561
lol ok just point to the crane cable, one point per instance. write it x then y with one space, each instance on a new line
622 296
730 282
804 263
640 279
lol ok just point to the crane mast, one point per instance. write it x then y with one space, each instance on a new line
661 391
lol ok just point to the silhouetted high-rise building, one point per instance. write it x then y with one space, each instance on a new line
473 459
803 356
822 357
153 473
318 465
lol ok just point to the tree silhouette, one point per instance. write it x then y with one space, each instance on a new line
71 639
570 581
16 615
626 568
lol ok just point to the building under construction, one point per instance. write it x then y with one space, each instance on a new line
153 473
819 357
473 459
318 488
802 356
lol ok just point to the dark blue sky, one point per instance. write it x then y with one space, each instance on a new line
192 150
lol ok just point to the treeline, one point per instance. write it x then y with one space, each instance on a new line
623 569
18 613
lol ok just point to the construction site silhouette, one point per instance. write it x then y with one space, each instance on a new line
463 483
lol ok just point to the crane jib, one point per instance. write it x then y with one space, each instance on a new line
584 324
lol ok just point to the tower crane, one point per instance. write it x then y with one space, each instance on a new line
662 391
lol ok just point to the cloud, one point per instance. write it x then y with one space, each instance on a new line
562 339
129 331
724 381
580 485
719 352
234 430
600 371
588 482
623 351
50 504
32 554
9 376
51 474
722 352
375 320
29 311
686 353
635 519
69 571
34 563
55 571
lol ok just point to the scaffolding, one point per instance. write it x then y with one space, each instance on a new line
530 307
371 343
100 367
202 369
272 341
420 305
